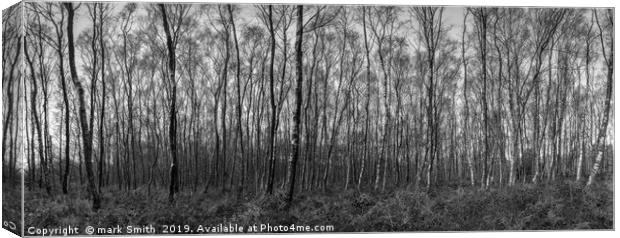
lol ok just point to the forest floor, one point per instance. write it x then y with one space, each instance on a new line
548 206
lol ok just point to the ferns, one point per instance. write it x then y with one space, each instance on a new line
521 207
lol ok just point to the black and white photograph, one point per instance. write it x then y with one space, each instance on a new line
197 118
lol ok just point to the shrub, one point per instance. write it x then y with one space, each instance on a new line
559 205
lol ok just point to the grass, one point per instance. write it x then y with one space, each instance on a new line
551 206
11 209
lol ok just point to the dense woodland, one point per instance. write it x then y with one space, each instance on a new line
251 100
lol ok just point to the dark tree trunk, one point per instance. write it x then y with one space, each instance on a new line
86 133
292 165
272 123
239 137
103 101
172 99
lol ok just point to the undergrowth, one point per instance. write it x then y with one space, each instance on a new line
552 206
11 209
